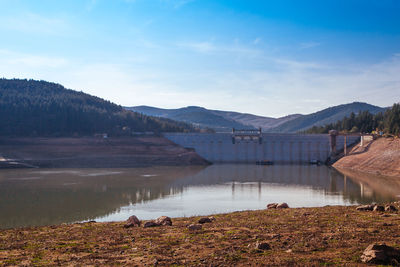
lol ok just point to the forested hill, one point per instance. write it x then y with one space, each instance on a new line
387 121
40 108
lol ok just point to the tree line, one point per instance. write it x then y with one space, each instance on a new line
387 122
40 108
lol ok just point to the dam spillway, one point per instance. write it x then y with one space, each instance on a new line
276 148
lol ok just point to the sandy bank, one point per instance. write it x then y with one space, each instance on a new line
302 236
379 157
91 152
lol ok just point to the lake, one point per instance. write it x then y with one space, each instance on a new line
30 197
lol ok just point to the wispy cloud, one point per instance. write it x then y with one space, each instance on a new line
212 48
308 45
177 3
257 41
34 23
200 47
24 60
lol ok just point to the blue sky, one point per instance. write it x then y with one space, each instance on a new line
270 58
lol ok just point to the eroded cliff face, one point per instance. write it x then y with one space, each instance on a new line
381 157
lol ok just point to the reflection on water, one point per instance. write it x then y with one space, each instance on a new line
42 197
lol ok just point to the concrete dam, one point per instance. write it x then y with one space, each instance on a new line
254 146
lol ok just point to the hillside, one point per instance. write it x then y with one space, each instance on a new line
380 157
220 121
224 121
40 108
325 116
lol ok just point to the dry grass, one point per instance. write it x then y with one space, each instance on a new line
303 236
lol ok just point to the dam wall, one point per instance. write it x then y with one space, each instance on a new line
277 148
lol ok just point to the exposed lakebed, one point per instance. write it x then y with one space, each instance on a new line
30 197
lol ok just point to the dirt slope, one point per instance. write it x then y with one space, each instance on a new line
381 157
91 152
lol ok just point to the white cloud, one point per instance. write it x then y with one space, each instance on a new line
276 88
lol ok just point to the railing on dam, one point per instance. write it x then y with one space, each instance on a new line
276 148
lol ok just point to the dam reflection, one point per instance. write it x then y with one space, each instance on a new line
53 196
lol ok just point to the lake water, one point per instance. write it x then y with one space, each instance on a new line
31 197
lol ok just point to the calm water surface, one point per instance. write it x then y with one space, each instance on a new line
52 196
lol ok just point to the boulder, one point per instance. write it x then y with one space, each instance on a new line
150 224
379 208
390 208
263 246
381 254
365 207
132 221
195 227
163 220
272 205
282 206
204 220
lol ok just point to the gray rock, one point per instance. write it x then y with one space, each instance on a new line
163 220
272 205
132 221
195 227
381 254
204 220
390 208
263 246
282 206
365 208
150 224
379 208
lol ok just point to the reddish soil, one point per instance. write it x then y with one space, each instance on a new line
379 157
94 152
297 237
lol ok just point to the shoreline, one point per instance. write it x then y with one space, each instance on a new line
93 152
380 157
334 235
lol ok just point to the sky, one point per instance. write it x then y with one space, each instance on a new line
267 57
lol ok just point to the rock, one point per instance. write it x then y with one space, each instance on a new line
163 220
263 246
390 208
132 221
195 227
365 207
272 205
150 224
204 220
381 254
379 208
282 206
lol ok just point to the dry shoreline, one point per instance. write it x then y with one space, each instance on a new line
92 152
334 235
379 157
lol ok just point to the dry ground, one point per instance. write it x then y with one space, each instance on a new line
302 236
380 157
91 152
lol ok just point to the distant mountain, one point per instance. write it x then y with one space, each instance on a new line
40 108
220 121
224 121
325 116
